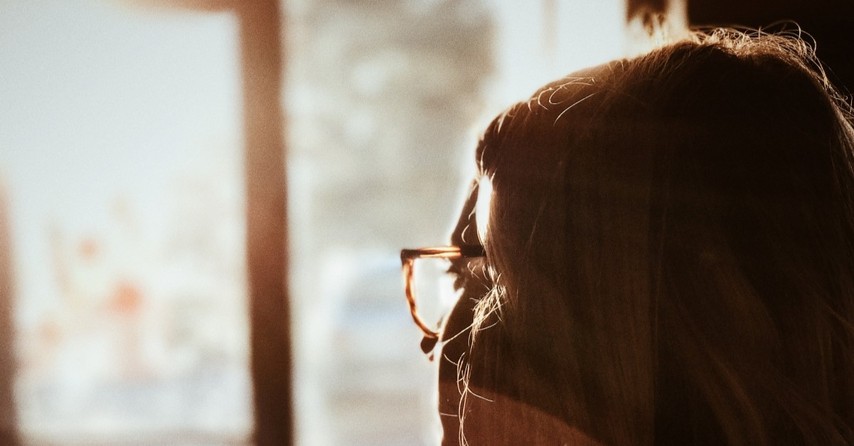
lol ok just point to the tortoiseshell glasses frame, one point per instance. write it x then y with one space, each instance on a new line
408 258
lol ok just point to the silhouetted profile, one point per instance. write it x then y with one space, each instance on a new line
669 257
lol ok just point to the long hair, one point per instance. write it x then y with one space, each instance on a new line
672 243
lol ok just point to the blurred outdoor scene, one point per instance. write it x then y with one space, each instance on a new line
123 279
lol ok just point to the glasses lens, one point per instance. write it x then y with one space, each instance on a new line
434 291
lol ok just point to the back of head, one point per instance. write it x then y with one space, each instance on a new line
673 245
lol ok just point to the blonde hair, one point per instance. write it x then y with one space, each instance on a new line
672 242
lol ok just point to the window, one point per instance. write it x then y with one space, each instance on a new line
384 102
122 167
121 157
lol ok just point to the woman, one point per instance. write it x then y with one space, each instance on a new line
669 257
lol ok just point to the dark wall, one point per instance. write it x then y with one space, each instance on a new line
829 22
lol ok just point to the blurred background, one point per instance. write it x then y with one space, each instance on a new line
202 202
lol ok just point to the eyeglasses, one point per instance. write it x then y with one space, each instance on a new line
427 304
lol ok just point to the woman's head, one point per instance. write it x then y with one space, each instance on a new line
671 252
